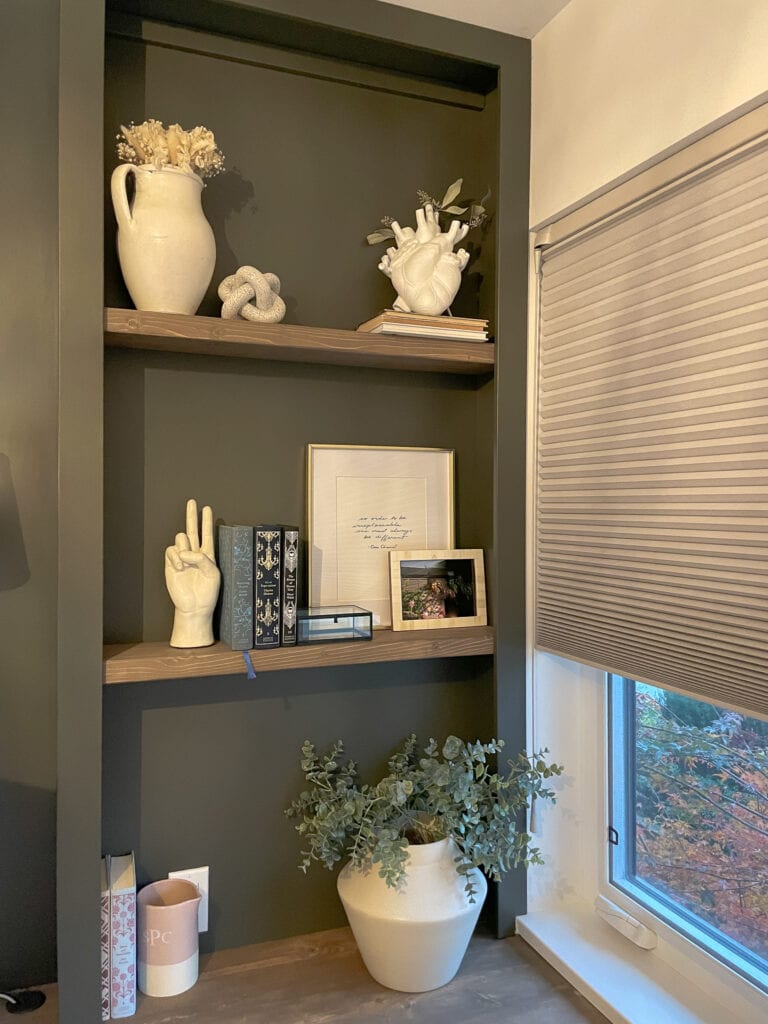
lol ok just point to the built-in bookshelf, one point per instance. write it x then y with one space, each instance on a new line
201 335
364 104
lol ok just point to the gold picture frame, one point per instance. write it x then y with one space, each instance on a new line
364 501
434 589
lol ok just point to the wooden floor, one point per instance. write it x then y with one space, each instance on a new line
320 979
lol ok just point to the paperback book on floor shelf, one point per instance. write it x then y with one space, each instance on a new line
236 565
391 321
105 990
122 931
289 588
266 618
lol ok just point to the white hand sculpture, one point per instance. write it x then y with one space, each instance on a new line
193 581
424 269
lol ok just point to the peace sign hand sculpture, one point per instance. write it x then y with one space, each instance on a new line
193 580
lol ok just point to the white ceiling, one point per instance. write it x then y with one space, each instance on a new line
518 17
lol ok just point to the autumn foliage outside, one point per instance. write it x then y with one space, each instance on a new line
702 811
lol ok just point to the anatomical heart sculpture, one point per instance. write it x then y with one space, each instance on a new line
423 267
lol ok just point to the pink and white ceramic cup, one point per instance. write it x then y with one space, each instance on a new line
167 947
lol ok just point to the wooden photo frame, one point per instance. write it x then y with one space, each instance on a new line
434 589
365 501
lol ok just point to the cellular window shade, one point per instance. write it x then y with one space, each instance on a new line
651 547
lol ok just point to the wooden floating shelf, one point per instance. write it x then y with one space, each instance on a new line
142 662
321 977
211 336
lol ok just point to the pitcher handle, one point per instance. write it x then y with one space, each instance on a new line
120 195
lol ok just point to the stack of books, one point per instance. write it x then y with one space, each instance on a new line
458 328
118 937
259 572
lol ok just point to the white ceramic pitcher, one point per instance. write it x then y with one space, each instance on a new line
166 246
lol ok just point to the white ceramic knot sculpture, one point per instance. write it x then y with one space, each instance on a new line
252 296
423 267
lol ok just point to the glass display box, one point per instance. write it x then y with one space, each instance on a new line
329 623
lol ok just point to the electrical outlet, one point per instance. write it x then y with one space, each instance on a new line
201 879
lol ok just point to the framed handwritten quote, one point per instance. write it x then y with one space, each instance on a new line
365 502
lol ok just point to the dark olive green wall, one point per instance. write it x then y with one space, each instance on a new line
312 167
80 392
509 432
233 434
308 179
205 746
199 772
28 486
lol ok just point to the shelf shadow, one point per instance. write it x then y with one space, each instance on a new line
14 568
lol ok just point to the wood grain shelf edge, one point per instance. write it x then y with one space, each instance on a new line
320 976
207 335
144 662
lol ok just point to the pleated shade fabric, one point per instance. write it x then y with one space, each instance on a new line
651 535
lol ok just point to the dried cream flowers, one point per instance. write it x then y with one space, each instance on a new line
151 143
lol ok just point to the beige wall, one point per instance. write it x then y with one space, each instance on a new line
617 82
518 17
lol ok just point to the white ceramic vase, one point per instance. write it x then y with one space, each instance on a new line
422 265
166 246
414 937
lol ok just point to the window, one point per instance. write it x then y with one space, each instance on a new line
689 819
648 431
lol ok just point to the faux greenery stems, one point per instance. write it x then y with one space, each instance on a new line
453 791
474 214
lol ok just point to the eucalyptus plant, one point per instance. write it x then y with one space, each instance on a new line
473 214
454 792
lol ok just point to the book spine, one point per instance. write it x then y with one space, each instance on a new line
289 585
105 940
225 568
266 554
122 953
236 564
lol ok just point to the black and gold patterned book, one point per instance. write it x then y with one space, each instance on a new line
266 603
290 578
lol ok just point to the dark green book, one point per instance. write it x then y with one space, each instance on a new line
236 565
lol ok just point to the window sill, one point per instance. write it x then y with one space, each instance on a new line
628 985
